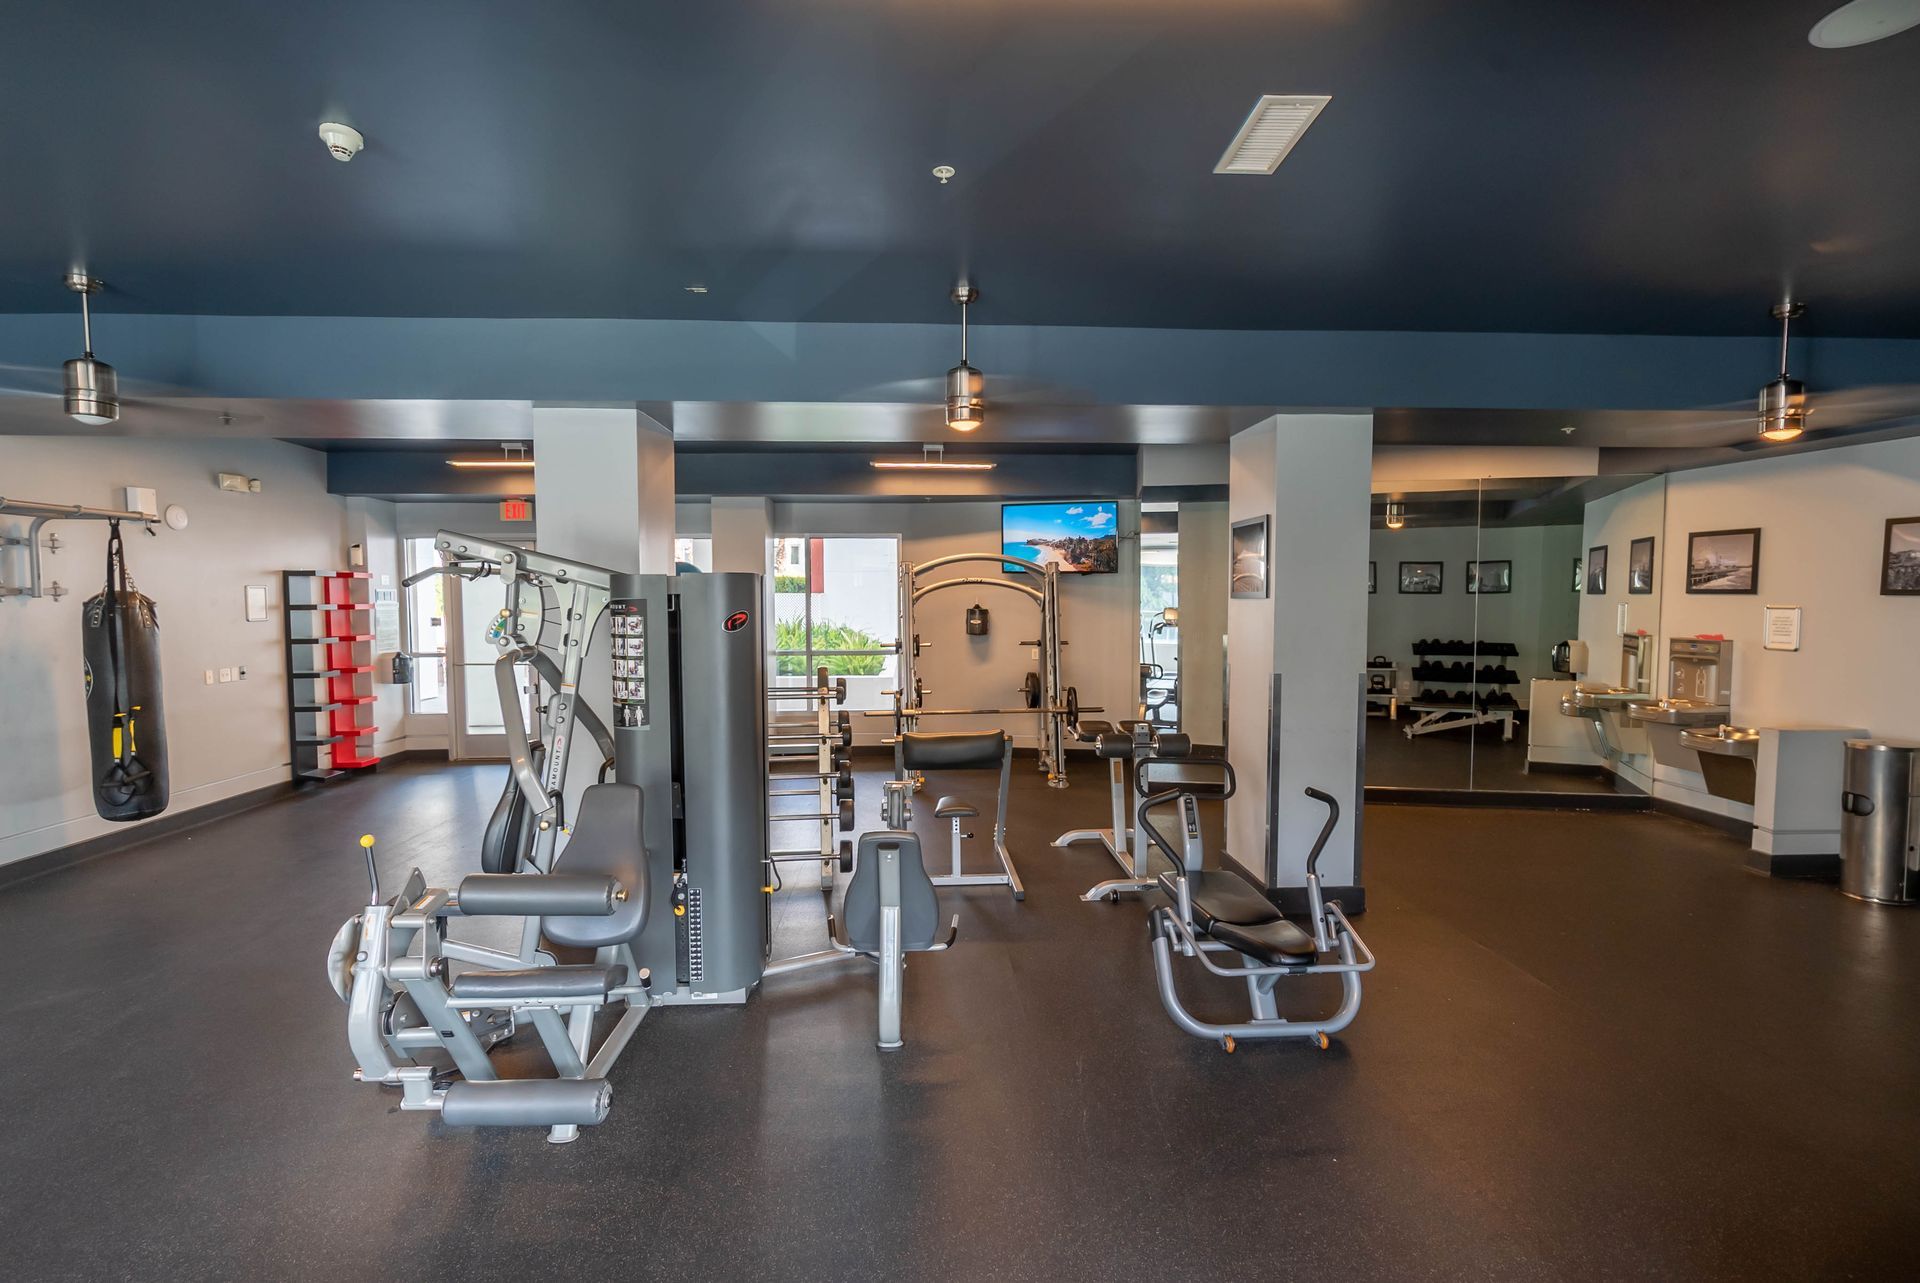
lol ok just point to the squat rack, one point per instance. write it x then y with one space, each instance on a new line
42 513
1056 711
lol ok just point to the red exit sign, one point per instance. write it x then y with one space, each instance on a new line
516 510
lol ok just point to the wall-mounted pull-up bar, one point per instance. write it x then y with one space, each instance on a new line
42 513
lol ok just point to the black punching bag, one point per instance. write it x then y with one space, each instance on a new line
126 727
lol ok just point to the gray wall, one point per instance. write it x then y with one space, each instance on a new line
1203 620
222 739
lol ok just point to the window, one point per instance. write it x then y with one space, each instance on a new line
425 637
836 606
694 551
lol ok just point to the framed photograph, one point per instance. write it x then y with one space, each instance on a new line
1579 580
1723 561
1489 576
1373 576
1900 560
1640 565
1247 578
1420 576
1597 571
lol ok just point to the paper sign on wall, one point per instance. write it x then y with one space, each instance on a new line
386 620
1782 628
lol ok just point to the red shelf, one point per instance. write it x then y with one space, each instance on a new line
345 574
363 668
354 637
355 699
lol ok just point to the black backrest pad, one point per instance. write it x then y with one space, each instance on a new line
919 905
952 750
606 839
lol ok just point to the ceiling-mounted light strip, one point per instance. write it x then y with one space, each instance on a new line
1273 127
513 455
933 458
923 465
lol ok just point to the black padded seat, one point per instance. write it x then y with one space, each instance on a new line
952 750
536 982
1221 895
606 840
1090 732
948 808
1275 944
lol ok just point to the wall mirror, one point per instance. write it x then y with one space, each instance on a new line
1509 620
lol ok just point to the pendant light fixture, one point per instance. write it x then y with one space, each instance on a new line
965 403
92 389
1396 514
1783 402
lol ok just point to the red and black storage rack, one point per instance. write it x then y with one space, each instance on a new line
329 653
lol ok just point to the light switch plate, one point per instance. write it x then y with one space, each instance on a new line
209 677
226 674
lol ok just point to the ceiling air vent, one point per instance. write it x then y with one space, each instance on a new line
1271 130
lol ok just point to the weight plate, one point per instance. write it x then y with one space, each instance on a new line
1030 690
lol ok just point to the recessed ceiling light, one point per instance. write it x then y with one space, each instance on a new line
943 173
1273 127
696 289
1861 22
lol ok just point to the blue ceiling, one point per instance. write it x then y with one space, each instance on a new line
1626 167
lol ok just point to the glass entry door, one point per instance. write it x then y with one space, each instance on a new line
478 725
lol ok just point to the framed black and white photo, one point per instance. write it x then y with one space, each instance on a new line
1900 558
1578 580
1640 565
1723 561
1248 575
1420 576
1597 571
1489 576
1373 576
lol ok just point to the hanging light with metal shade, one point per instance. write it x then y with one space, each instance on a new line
1783 402
1396 514
92 390
966 403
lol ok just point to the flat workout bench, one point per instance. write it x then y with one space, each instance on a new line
920 751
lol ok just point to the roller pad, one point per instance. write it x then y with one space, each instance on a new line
537 1102
1114 745
1172 744
537 895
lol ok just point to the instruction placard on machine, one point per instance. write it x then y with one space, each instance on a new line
629 664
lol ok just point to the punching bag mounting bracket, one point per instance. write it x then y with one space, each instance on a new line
42 513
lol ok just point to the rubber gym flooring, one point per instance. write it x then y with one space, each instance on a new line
1595 1048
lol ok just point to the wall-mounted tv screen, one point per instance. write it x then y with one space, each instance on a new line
1082 538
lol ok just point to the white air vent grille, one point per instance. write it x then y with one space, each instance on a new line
1275 126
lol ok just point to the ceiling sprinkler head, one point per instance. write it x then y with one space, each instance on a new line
943 173
344 142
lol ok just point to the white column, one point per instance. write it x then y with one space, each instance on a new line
1295 658
604 481
742 531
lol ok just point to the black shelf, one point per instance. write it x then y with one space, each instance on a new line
317 773
307 675
318 708
316 739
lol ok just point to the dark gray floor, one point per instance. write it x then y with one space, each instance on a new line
1595 1048
1473 757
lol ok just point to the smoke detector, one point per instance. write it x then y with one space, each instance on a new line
343 141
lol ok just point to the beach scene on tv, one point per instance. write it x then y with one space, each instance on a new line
1080 538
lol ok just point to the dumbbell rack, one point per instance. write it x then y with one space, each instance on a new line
822 739
1450 712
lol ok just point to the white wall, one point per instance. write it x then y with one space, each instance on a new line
1615 522
1822 518
1250 491
1099 613
222 739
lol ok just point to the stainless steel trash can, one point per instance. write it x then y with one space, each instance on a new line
1879 846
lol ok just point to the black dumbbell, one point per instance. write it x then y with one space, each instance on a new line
846 813
846 855
843 789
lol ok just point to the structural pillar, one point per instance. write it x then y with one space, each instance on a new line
1295 655
604 480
